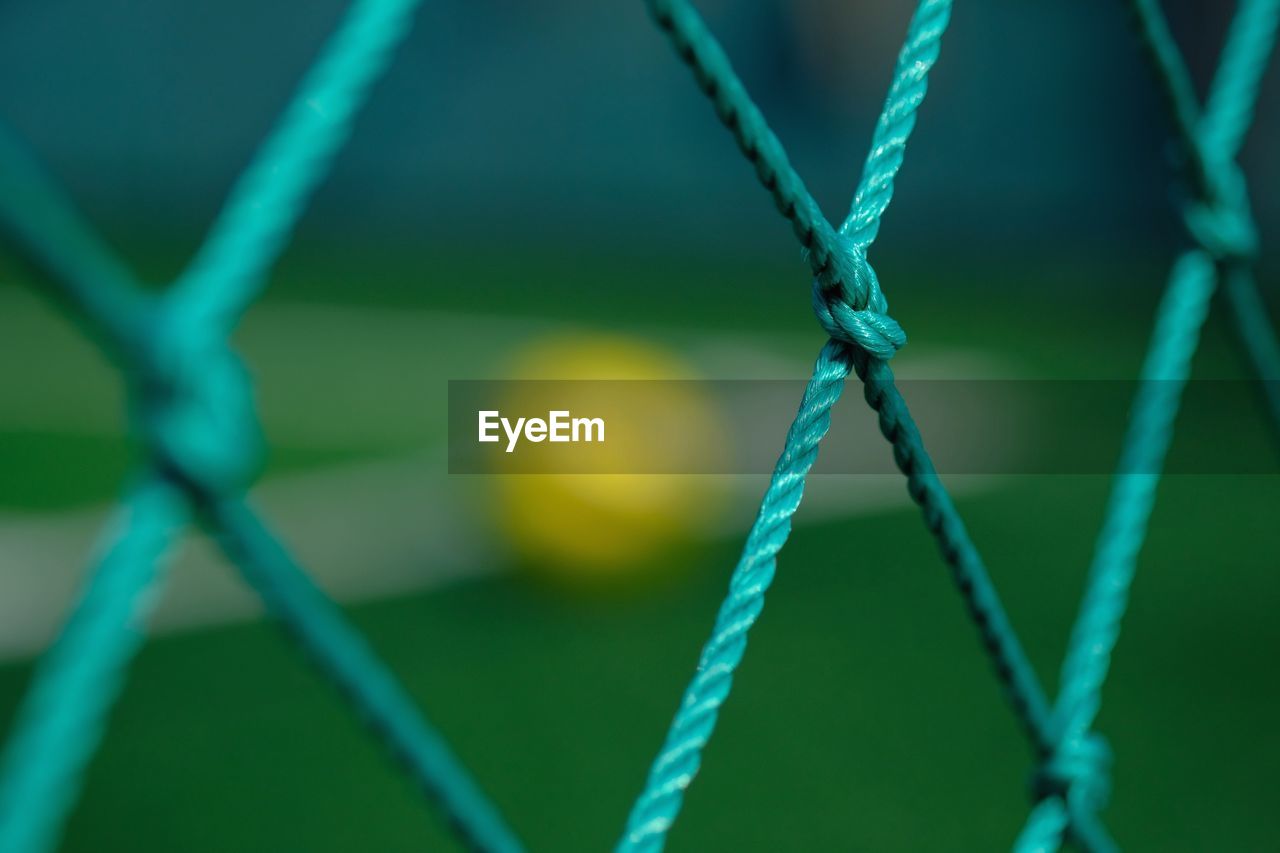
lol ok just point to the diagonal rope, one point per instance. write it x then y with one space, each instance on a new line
851 307
255 224
52 237
1233 96
1073 780
1075 773
898 118
681 754
64 713
698 48
193 408
344 658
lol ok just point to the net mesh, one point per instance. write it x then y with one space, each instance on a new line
191 406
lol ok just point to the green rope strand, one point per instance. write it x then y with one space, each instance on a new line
1164 375
826 253
854 316
63 715
681 754
1022 686
346 660
898 118
1227 117
193 407
51 237
1075 773
1044 829
1257 336
1233 95
256 222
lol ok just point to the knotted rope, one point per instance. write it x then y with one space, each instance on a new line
191 403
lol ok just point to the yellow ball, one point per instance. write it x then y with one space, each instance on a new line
603 527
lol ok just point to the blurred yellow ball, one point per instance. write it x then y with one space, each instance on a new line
602 527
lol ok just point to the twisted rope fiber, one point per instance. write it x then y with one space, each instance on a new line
897 120
828 256
1021 685
193 407
1073 783
843 311
681 754
687 32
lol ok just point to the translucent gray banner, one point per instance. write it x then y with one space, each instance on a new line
737 427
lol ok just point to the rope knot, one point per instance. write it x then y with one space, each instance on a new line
1223 224
856 312
1078 770
193 404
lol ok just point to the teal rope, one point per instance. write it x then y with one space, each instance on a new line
1044 829
346 660
192 405
851 306
254 225
1076 770
51 236
63 715
1233 95
828 255
1257 336
840 303
897 120
681 754
1022 686
841 317
194 410
1227 117
1073 779
1164 375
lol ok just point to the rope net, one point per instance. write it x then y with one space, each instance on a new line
191 406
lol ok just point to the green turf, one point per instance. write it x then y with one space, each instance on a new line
864 718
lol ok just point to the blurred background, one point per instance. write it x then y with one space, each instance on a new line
542 184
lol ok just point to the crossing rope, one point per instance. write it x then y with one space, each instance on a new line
191 404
